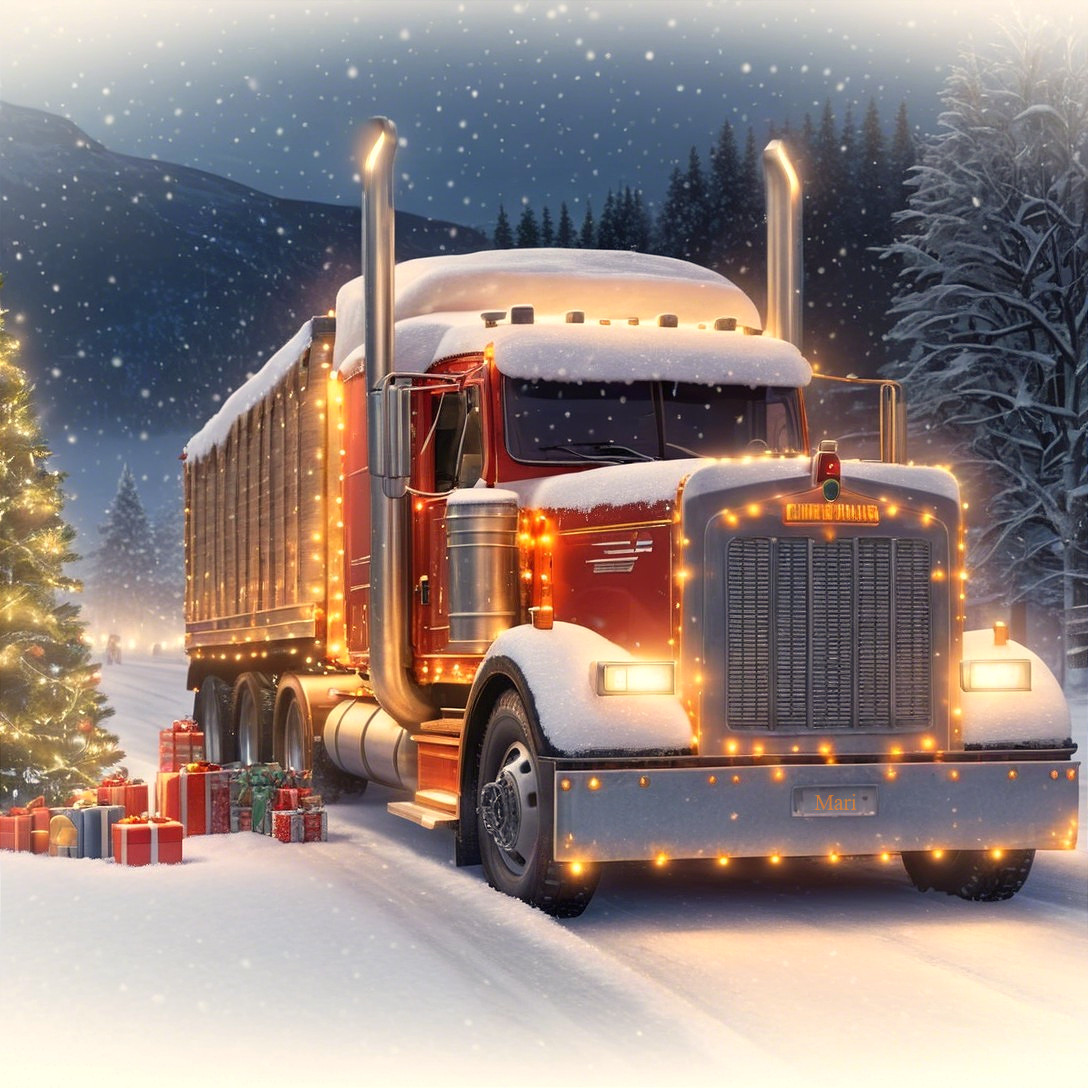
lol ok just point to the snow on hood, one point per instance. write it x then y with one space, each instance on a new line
573 717
650 483
616 284
645 483
915 482
215 431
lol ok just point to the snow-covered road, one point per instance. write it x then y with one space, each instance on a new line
371 959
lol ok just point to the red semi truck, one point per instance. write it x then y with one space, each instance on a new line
537 538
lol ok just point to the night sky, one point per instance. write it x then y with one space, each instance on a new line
495 101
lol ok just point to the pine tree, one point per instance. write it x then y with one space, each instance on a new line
902 156
168 582
122 583
528 235
50 705
607 232
587 237
564 234
993 310
722 199
504 236
874 204
547 230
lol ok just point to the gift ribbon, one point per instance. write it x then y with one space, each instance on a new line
153 824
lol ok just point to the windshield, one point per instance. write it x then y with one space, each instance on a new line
614 422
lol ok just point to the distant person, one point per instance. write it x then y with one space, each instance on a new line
113 650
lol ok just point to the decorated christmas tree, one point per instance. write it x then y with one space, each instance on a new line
51 740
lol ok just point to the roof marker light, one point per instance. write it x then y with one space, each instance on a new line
522 315
725 324
492 317
667 321
576 317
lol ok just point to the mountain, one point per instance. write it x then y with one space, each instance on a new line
142 291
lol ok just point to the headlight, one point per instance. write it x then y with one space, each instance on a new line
1011 675
636 678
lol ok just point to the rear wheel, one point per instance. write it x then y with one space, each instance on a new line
981 875
297 747
213 714
513 822
254 701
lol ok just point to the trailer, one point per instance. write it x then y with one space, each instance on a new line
537 539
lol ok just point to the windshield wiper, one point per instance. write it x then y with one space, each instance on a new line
608 453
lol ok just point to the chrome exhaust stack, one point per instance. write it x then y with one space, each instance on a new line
784 241
388 442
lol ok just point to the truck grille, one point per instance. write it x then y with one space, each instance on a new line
828 635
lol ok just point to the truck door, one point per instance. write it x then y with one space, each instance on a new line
451 456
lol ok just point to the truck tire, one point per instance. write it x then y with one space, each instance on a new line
971 874
513 824
213 712
302 751
253 703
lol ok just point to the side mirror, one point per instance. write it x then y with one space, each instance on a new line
389 438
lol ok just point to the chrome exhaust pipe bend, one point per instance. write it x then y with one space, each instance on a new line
784 241
394 687
365 741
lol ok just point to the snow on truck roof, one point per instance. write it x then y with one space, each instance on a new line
439 301
615 284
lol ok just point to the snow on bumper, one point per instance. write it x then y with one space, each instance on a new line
756 811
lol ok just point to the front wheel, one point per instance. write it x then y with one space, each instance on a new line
514 824
982 875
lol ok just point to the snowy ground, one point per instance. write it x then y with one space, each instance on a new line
371 959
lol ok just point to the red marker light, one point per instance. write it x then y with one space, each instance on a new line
827 469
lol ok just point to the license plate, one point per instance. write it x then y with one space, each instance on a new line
834 800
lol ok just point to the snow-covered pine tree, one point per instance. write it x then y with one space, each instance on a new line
50 706
167 535
504 236
992 309
122 582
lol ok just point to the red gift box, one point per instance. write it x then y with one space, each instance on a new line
119 790
182 743
284 800
197 796
39 841
300 826
150 841
315 826
15 831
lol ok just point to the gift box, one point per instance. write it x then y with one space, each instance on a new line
287 825
15 830
285 799
151 840
65 832
315 826
300 825
98 820
197 796
179 745
241 817
120 790
39 841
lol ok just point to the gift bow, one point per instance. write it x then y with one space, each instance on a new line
184 725
201 766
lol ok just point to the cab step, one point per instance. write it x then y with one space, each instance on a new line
423 815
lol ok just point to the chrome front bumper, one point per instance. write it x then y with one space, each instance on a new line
627 813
